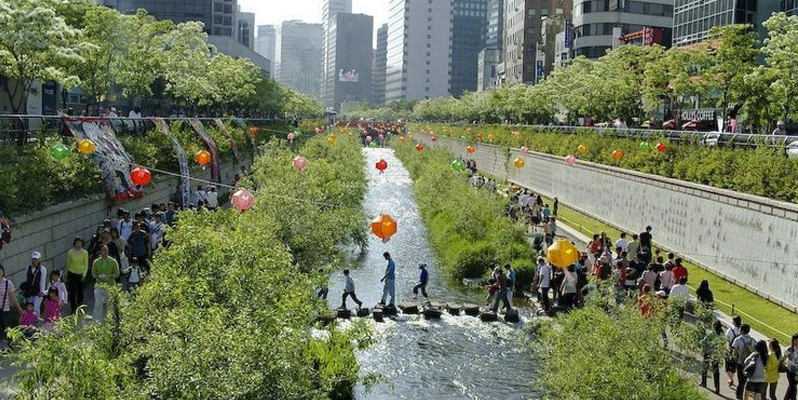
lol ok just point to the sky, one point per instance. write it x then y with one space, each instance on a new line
276 11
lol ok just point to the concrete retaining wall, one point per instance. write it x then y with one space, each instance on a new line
52 230
751 241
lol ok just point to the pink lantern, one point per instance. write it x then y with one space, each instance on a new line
368 139
243 200
300 163
570 160
291 137
524 150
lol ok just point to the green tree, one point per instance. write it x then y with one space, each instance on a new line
733 53
781 48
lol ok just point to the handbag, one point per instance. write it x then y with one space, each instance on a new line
782 367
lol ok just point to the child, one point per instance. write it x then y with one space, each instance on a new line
28 320
349 290
52 306
133 273
55 282
493 287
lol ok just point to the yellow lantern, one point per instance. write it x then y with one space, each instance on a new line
491 137
581 148
562 253
331 139
86 147
519 162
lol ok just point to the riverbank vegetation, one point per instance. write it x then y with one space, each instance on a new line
467 227
228 310
761 172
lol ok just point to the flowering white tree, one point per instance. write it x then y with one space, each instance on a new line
35 45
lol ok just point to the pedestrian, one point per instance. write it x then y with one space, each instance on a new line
139 245
105 271
742 347
55 282
212 198
28 319
679 270
544 280
8 298
77 266
779 131
492 288
666 279
349 290
502 294
704 294
125 225
510 282
423 279
157 232
790 360
622 245
645 244
35 286
200 196
754 371
633 248
134 275
772 367
556 205
389 289
569 288
731 334
710 361
52 306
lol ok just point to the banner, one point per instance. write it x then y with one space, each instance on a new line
114 162
185 173
200 129
243 125
233 144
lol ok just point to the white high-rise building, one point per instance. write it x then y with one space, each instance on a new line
418 62
329 9
266 42
298 51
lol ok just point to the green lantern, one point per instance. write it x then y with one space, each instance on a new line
373 144
59 151
644 146
458 165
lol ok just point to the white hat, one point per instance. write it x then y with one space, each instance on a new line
36 255
113 109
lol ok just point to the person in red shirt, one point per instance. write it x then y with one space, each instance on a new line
679 271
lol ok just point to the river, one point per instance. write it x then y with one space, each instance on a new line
456 357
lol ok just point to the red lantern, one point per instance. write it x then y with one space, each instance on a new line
384 226
242 200
203 157
140 176
382 165
660 147
434 139
419 147
470 149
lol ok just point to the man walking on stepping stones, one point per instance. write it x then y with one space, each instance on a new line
422 282
390 280
349 290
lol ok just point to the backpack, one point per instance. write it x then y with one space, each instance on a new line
748 349
750 368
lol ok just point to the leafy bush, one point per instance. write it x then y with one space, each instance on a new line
467 227
762 172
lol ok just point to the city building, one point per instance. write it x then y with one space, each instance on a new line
599 24
246 29
265 43
490 58
469 23
298 52
329 9
219 16
647 36
380 61
231 47
692 19
789 6
523 20
550 26
348 74
418 56
494 35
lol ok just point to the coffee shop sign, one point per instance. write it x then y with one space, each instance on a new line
703 114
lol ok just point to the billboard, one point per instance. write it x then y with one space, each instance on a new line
348 75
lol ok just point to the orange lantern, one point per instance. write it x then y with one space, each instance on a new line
470 149
254 130
384 226
202 157
402 139
562 254
419 147
519 162
140 176
617 154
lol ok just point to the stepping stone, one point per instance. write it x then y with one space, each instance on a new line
387 310
512 316
488 316
344 313
377 314
471 309
363 312
454 308
435 304
326 318
431 312
408 308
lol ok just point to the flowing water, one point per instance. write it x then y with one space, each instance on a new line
456 357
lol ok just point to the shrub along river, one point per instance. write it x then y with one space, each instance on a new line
455 357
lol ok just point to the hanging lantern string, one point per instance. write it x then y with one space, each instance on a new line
233 188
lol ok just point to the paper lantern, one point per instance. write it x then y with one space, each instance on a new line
458 165
617 154
242 200
516 133
202 157
470 149
86 147
570 160
644 146
419 147
254 130
519 162
562 254
381 137
300 163
368 139
434 139
410 135
382 165
402 139
491 137
660 147
384 226
582 148
140 176
291 136
373 145
524 150
331 139
462 137
59 151
479 136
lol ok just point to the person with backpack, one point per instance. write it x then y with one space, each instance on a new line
754 371
35 287
731 334
710 363
742 347
790 360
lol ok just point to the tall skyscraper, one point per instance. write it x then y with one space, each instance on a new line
246 29
469 23
522 33
265 43
495 31
329 9
298 51
598 25
692 19
348 74
490 57
219 16
789 6
380 62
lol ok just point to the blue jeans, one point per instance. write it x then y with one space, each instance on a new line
389 290
503 297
